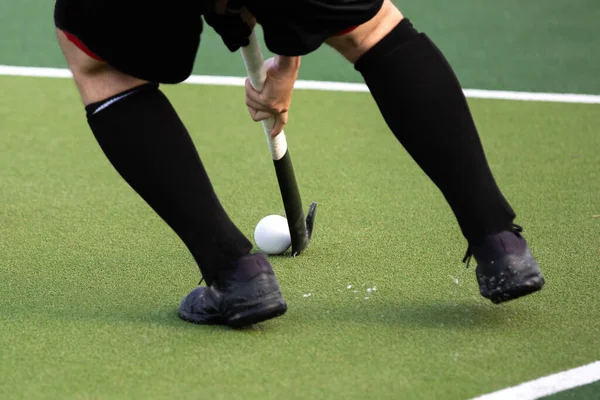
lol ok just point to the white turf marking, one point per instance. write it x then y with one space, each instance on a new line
327 86
35 71
548 385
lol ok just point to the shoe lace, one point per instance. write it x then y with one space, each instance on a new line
469 253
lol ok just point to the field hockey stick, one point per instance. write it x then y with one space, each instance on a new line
301 228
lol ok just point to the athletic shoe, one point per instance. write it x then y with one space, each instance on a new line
506 269
247 294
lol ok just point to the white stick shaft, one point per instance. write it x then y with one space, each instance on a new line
257 73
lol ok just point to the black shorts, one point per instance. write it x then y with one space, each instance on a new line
158 40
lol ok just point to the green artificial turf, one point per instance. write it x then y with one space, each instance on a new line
90 277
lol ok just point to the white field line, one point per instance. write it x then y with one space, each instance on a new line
326 86
548 385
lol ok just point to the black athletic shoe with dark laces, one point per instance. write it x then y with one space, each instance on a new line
245 295
506 268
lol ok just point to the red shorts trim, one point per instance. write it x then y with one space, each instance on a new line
348 30
75 40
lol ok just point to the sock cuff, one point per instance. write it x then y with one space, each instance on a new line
96 107
402 33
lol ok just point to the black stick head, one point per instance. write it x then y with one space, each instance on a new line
298 248
310 219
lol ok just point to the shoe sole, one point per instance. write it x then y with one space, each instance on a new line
253 315
514 291
520 278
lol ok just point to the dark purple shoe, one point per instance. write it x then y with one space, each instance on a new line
246 295
506 269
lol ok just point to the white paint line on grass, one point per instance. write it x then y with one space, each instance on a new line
8 70
548 385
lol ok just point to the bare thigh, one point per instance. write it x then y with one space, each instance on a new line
95 80
354 44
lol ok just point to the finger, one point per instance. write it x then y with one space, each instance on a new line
262 115
257 106
252 93
257 115
270 105
280 122
252 112
248 18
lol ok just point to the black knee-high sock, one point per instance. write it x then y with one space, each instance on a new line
422 102
146 142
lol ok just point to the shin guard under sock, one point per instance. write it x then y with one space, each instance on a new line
422 102
142 136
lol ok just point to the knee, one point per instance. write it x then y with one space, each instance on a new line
96 80
354 44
